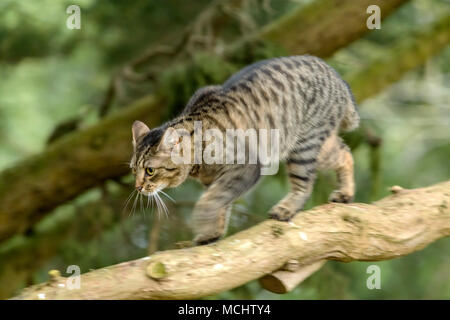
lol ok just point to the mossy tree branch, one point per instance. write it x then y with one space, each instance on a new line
68 167
341 22
397 225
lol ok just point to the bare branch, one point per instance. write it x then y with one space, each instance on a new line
395 226
283 281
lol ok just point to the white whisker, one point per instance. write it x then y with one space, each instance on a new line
163 205
170 198
153 202
134 204
128 200
158 208
141 202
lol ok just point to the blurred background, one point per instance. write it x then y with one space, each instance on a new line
64 92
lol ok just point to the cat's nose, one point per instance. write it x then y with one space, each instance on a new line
139 188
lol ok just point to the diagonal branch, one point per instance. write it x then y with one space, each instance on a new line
395 226
341 22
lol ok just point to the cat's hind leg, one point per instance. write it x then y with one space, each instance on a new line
301 166
336 155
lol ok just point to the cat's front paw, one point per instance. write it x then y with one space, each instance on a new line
340 197
201 239
281 214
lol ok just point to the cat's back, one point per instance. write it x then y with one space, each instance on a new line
285 69
285 92
292 93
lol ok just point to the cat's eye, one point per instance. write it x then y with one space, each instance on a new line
133 170
150 171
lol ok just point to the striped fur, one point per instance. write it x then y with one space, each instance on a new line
301 96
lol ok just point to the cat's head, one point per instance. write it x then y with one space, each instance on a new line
152 163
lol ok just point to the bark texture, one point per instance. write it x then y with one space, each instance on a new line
395 226
286 279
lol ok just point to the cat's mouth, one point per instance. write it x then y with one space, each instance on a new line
153 191
154 198
148 193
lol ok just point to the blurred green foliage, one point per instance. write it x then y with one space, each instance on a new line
51 74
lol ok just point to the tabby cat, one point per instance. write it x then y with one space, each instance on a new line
301 96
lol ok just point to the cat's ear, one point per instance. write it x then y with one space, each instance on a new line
139 129
169 140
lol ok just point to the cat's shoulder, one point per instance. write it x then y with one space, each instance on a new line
201 95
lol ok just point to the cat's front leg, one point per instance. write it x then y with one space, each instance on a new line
211 213
211 231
